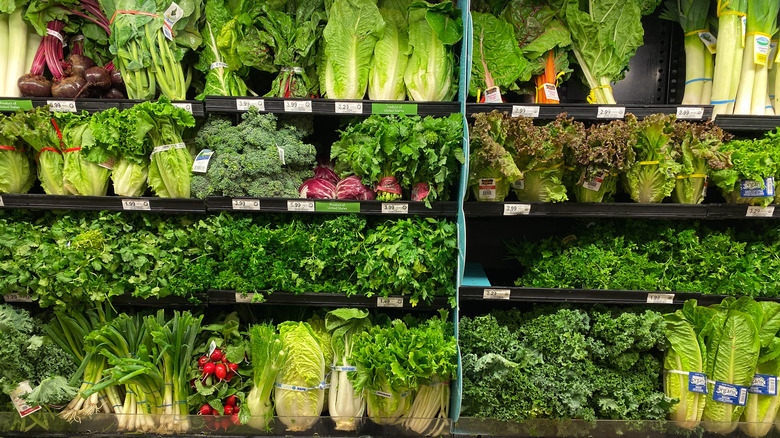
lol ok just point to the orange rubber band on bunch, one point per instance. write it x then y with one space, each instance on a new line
148 14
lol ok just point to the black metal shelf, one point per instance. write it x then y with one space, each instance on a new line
219 104
736 123
196 107
229 297
588 112
511 294
99 203
618 210
329 206
10 104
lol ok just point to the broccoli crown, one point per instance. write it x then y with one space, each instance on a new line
256 158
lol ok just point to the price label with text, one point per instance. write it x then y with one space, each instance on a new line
395 208
349 107
245 104
184 105
62 106
17 298
297 106
246 204
525 111
300 205
517 209
690 113
611 112
136 204
655 298
757 211
496 294
390 302
244 298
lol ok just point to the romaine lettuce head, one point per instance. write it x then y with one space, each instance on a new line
304 367
130 178
391 54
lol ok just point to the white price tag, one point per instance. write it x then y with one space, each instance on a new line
183 105
246 204
300 205
654 298
525 111
611 112
212 347
756 211
201 163
496 294
136 204
21 406
297 106
517 209
61 106
17 298
349 107
395 208
244 298
550 92
390 302
1 202
245 104
690 113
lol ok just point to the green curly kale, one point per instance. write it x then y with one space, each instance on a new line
259 158
563 363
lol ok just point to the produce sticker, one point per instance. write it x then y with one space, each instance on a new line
487 188
763 384
21 406
697 382
732 394
749 188
409 109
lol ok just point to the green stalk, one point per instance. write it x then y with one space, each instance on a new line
692 16
744 101
695 55
709 71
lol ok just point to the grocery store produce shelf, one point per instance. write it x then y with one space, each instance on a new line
619 210
497 294
44 424
324 300
219 104
587 112
284 205
740 123
98 203
10 104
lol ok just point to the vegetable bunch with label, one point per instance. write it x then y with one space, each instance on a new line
699 151
396 153
345 404
492 168
651 172
17 172
752 179
83 170
260 157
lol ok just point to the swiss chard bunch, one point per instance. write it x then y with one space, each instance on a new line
652 170
752 179
699 151
225 26
600 158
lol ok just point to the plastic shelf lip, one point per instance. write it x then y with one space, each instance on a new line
328 106
231 297
744 123
98 203
578 209
587 112
283 205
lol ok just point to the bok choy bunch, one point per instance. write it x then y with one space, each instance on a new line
345 405
267 356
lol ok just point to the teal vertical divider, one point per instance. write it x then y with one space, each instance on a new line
463 87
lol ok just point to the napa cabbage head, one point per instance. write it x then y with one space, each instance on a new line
303 367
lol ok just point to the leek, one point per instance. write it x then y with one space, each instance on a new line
726 76
761 24
692 16
4 58
17 52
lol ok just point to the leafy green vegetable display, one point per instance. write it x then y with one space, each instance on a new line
17 174
67 259
562 363
652 172
752 180
699 152
682 257
260 157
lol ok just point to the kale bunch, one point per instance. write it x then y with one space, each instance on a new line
563 363
259 158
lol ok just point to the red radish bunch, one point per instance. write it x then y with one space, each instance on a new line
216 419
218 366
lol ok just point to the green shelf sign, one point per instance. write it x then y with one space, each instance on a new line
408 109
338 207
15 105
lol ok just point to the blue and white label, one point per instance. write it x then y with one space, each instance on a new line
749 188
697 382
201 163
763 384
732 394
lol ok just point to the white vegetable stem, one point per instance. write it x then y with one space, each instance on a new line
344 406
726 76
601 89
709 70
745 92
17 51
695 55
